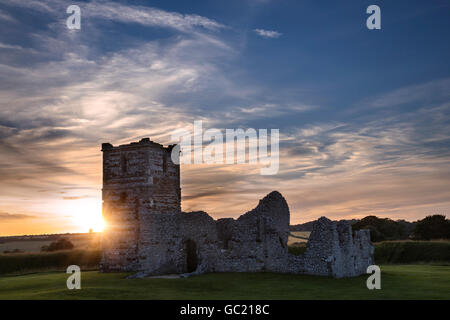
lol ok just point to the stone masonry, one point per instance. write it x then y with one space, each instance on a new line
147 233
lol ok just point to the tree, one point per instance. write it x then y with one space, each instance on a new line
432 227
382 229
61 244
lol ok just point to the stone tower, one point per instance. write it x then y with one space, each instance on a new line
139 179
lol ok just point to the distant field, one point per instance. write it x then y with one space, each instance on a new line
80 241
303 234
25 246
397 282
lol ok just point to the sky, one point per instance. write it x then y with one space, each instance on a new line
364 115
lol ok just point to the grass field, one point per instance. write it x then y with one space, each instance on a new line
397 282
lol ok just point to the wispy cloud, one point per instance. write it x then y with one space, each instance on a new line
6 17
117 12
76 197
50 139
4 216
429 92
9 46
149 16
268 33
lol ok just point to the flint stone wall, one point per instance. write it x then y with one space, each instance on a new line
147 232
334 250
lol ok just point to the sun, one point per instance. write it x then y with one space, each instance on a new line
86 214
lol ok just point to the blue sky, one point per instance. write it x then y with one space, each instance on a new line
363 114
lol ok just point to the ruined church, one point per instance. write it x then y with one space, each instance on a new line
149 234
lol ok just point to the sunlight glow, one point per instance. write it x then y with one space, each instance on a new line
85 214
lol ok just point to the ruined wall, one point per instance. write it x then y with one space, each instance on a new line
333 249
195 243
257 240
147 232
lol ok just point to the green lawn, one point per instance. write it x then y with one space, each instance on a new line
397 282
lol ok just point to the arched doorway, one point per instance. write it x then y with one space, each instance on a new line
191 255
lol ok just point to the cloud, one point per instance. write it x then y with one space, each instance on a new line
72 98
429 92
8 46
314 130
264 111
76 197
391 167
112 11
4 216
6 17
47 6
268 33
396 166
148 16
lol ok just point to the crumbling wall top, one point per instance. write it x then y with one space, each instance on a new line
145 142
